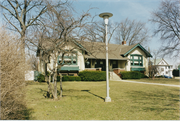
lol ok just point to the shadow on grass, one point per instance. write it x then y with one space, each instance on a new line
27 114
20 113
93 94
46 95
158 101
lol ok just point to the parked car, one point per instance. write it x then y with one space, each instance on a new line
167 77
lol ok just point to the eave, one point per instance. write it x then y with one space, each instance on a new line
138 45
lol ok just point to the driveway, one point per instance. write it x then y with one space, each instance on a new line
170 85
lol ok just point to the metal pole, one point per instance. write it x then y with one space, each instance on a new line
107 99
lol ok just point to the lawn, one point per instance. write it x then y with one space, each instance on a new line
85 101
158 80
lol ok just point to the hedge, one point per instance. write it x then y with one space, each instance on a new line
71 78
41 78
175 72
131 75
92 75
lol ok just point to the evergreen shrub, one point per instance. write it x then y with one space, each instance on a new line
71 78
131 75
175 72
144 76
92 75
41 78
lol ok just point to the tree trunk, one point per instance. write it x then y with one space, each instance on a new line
48 82
55 86
23 55
49 87
61 85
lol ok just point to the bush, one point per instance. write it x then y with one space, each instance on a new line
92 75
68 78
175 72
144 76
12 78
71 78
131 75
41 78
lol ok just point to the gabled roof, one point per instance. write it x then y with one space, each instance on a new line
79 45
118 52
96 50
129 49
48 45
158 61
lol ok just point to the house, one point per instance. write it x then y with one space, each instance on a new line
163 67
91 56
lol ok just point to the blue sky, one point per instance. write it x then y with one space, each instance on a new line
139 10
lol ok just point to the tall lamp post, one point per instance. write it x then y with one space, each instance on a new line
106 16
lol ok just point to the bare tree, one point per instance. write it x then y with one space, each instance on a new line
177 65
22 14
132 32
95 31
167 19
153 69
55 41
12 81
33 61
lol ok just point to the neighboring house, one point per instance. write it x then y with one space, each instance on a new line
29 75
163 67
89 56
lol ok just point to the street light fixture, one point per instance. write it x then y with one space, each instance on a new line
106 16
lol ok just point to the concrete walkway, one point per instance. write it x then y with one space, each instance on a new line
170 85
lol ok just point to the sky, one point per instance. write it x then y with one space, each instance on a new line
139 10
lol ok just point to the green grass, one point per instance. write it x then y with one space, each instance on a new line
85 101
158 80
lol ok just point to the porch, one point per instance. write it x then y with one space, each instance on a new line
100 64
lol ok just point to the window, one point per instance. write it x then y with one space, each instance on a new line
166 72
136 60
88 64
69 59
101 62
162 69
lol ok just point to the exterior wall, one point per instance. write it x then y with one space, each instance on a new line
110 65
128 65
122 64
145 60
42 67
29 76
163 69
80 60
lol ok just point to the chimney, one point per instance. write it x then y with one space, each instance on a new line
124 42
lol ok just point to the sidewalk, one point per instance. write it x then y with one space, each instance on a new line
170 85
